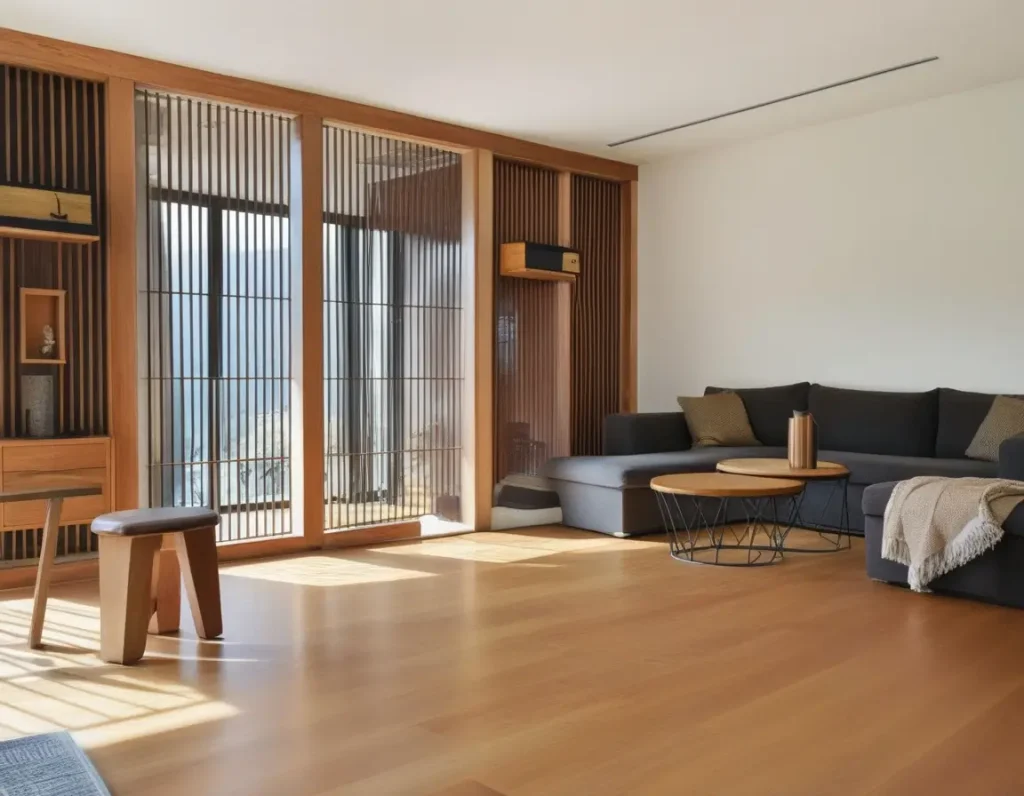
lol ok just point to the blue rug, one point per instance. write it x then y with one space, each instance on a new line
47 764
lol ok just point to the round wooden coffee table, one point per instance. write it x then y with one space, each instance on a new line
695 509
833 472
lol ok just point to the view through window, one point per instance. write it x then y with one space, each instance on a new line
216 284
393 347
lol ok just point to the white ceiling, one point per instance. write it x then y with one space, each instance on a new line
575 73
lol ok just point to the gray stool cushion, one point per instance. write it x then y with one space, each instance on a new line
140 522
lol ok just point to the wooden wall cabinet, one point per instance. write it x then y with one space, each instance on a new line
31 462
39 308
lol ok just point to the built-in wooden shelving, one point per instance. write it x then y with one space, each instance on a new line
39 308
546 263
46 235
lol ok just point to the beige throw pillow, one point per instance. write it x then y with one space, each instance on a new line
1004 420
719 419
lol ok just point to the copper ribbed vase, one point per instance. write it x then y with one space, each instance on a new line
803 441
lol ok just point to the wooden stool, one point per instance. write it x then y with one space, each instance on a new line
129 542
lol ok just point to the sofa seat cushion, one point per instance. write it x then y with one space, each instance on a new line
892 423
872 468
621 472
876 498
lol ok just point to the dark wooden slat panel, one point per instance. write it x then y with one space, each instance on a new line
526 422
596 232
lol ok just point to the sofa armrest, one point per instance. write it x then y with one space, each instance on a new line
1011 458
646 432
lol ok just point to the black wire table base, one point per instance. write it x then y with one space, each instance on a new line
833 537
696 538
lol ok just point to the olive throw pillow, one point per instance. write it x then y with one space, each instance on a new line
719 419
1004 420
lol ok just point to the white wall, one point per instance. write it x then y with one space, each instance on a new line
884 251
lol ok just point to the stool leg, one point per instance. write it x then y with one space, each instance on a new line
126 575
166 589
197 554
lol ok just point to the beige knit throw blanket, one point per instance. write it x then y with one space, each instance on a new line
934 524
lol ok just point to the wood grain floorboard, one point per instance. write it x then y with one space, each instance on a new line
547 661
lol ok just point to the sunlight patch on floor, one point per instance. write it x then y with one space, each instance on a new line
65 685
505 547
463 549
596 542
319 570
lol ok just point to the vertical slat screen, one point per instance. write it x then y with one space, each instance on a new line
216 315
526 368
596 233
393 347
52 135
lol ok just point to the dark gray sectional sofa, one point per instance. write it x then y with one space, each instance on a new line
993 577
880 436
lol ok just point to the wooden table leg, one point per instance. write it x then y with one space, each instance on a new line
166 589
44 571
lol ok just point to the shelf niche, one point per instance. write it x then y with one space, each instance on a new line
39 308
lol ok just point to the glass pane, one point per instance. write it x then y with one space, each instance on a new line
183 348
255 370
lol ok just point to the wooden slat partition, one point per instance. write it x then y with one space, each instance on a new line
217 323
392 329
52 136
527 427
596 371
628 299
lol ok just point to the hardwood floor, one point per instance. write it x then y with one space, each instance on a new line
546 661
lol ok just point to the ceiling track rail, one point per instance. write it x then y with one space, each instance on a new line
777 100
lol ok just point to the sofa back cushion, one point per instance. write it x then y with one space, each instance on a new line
1004 421
960 417
718 420
769 409
862 421
645 432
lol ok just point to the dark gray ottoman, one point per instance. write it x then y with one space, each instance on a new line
996 577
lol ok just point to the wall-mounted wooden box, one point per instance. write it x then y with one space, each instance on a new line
42 214
539 261
41 308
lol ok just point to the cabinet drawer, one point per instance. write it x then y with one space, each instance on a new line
54 458
32 513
